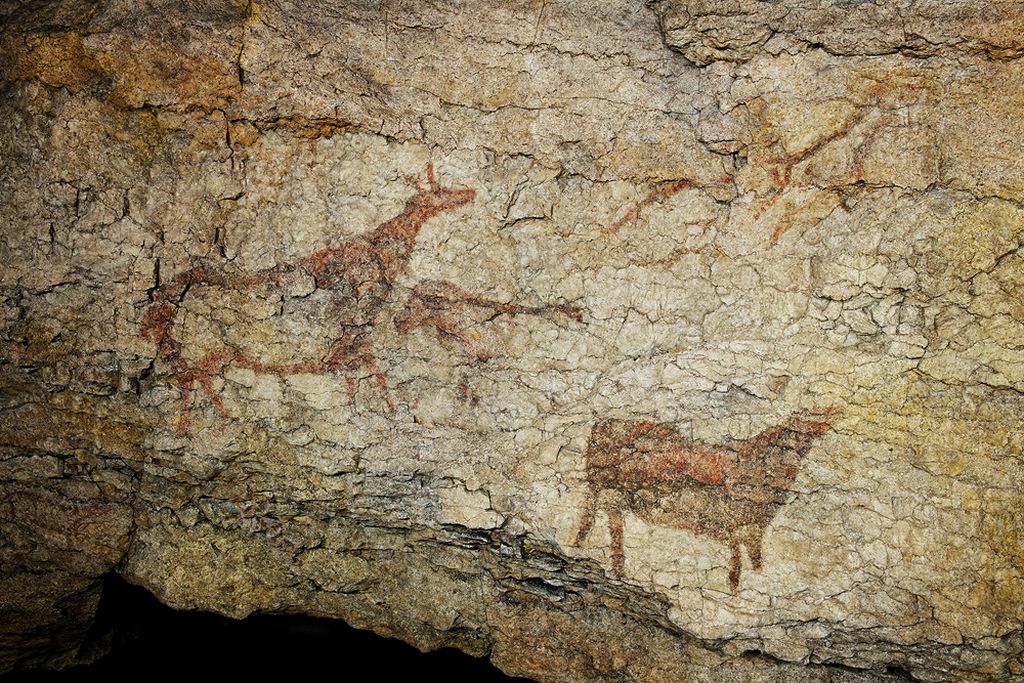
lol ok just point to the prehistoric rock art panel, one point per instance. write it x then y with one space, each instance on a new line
356 278
887 171
348 285
729 492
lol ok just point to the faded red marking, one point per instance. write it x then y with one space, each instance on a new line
839 189
782 173
360 272
729 491
454 313
658 194
678 254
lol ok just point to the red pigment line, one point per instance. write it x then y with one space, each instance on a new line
657 194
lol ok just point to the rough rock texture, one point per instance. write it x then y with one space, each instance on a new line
678 341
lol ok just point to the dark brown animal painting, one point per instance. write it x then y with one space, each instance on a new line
730 492
347 285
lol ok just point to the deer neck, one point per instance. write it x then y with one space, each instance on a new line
400 232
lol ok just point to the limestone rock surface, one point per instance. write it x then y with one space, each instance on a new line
666 341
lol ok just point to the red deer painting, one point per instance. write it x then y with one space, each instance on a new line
730 492
316 315
457 314
349 284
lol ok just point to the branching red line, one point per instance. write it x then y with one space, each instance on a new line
658 194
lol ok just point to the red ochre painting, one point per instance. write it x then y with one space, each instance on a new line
358 276
729 492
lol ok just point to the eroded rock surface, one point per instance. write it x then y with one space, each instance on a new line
612 340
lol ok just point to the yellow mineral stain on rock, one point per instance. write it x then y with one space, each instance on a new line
95 424
243 133
256 11
58 60
130 74
975 234
155 71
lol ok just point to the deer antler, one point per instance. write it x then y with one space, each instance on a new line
414 182
431 180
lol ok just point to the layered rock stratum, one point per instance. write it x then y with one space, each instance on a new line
677 341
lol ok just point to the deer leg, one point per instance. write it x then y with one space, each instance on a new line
185 417
754 551
187 377
587 522
735 566
350 380
447 326
345 359
370 361
444 323
207 385
615 529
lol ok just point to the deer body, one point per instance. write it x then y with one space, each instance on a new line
457 314
729 492
343 288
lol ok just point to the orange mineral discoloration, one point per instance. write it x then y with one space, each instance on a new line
129 73
729 491
56 59
153 70
359 273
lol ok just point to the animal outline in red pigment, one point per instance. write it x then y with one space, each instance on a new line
359 273
782 173
843 185
453 312
730 492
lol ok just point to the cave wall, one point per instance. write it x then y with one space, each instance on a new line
611 340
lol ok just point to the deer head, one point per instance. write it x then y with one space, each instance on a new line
433 199
794 436
811 422
777 452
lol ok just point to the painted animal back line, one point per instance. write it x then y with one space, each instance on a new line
358 274
729 492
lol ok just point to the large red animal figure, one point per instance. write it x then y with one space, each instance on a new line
350 282
729 492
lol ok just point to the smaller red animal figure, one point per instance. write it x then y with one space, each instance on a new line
729 492
343 289
457 314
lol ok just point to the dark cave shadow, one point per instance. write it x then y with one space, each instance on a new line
144 636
